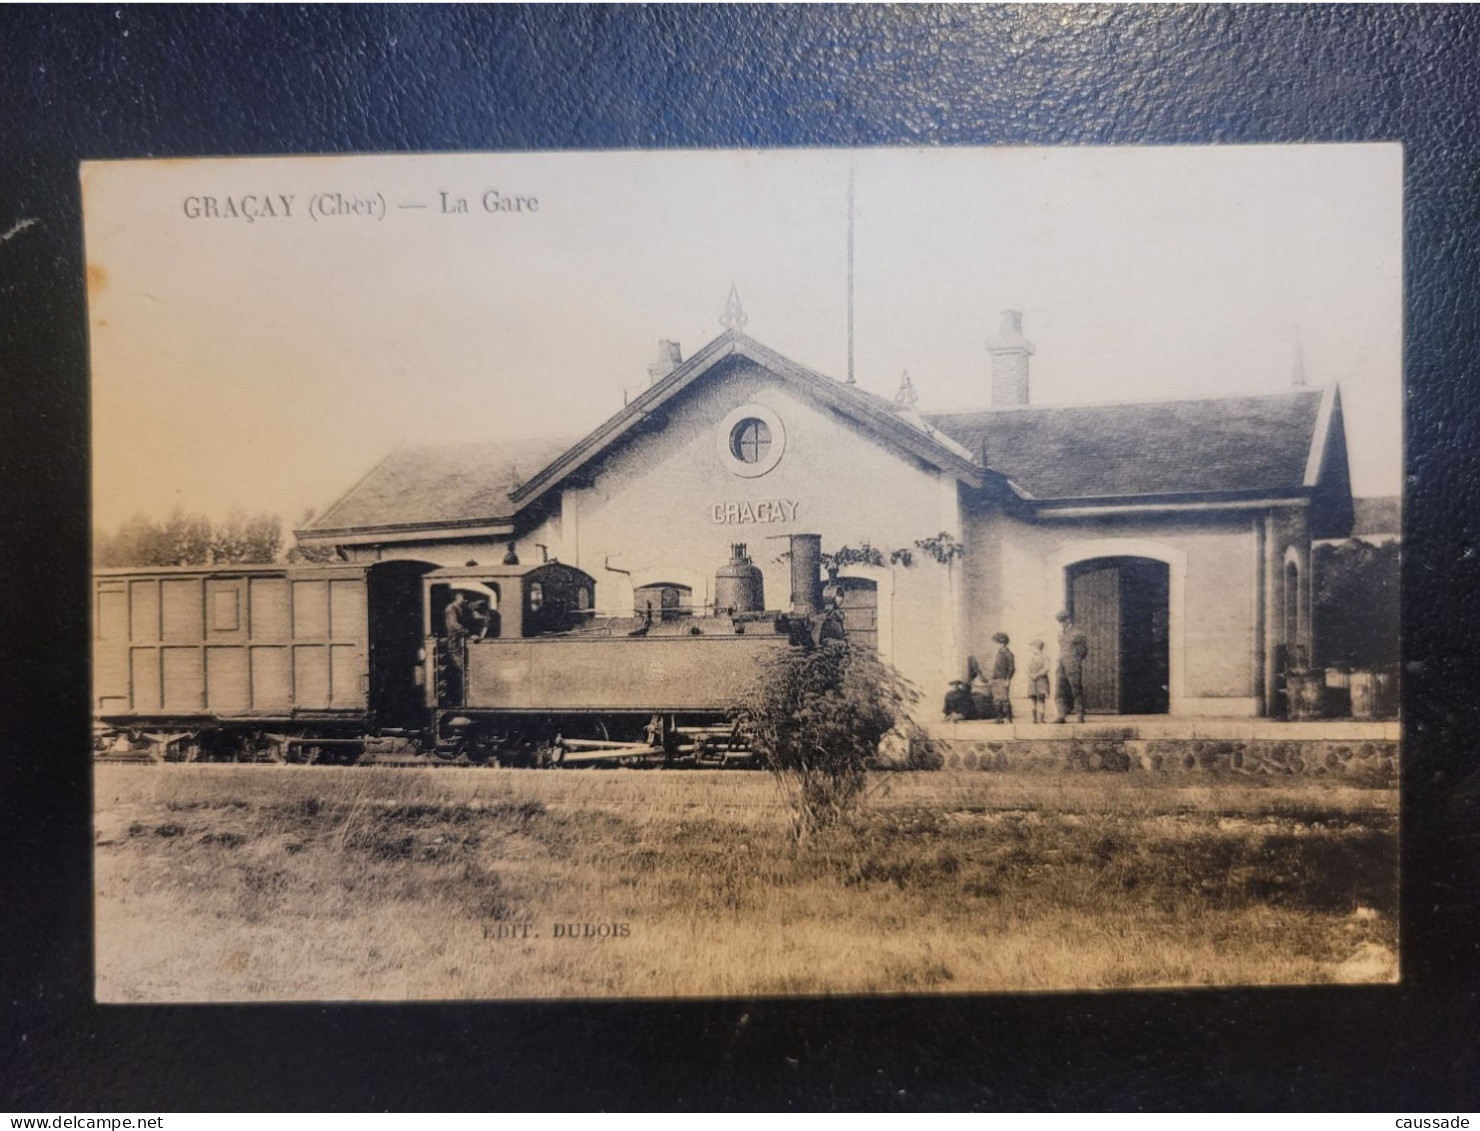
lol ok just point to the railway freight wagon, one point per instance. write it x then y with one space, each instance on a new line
256 661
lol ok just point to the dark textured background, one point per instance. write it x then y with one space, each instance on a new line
126 82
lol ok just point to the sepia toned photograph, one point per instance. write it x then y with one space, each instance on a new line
745 573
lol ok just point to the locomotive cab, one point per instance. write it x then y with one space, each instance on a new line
516 601
495 603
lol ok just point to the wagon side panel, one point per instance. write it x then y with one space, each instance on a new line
111 648
329 647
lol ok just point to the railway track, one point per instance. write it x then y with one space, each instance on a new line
701 748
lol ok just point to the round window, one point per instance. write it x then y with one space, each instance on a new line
750 440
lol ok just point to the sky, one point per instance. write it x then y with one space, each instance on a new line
269 362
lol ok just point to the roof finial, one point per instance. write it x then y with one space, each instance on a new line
1297 371
906 397
734 318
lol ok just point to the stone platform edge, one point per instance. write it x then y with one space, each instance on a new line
1370 762
1207 729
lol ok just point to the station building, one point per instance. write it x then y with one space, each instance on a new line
1177 533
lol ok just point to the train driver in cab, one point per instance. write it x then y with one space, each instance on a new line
457 625
485 617
457 618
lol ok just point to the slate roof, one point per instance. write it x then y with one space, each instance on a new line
444 483
1247 444
1228 444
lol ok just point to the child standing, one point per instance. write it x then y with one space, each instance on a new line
1038 681
1003 668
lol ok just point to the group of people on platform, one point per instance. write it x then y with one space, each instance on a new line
986 692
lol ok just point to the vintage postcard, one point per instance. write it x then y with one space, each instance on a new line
693 574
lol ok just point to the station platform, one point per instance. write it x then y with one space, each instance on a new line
1364 752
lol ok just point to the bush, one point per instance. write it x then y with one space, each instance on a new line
815 718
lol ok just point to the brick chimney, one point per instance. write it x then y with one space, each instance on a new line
1009 352
669 359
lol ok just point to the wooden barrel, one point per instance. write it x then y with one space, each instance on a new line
1374 694
1338 692
1307 693
1386 698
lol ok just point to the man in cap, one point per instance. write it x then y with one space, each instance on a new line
1073 648
1004 666
456 623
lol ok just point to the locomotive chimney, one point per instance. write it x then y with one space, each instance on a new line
670 357
806 571
1009 352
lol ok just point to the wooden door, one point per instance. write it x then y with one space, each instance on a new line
1122 607
858 598
1094 602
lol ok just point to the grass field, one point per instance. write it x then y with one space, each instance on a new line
228 883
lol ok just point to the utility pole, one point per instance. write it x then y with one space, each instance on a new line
850 276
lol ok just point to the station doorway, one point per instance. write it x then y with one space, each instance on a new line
1121 604
858 599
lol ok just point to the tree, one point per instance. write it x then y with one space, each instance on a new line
138 541
302 553
182 539
1356 603
187 539
815 718
247 538
190 539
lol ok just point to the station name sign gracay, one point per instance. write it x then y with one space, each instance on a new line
744 513
252 207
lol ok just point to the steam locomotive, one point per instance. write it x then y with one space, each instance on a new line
354 662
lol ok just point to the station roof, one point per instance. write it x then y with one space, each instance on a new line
438 485
1227 444
1272 444
904 430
